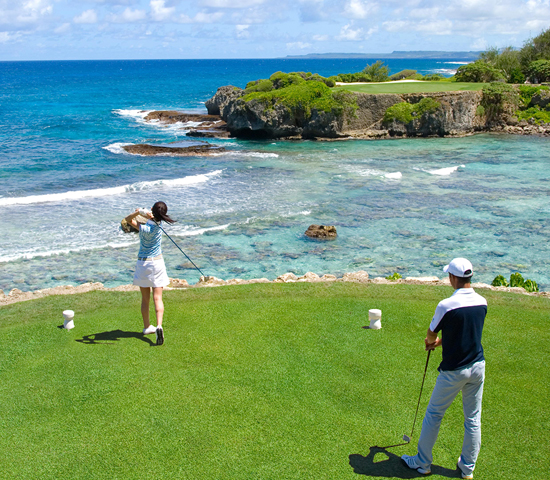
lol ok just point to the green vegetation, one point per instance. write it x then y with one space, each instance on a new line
479 72
531 62
377 72
394 277
533 112
497 97
301 98
516 280
406 112
275 381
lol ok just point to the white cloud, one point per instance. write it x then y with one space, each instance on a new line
242 31
7 36
128 16
359 9
479 44
160 12
349 34
32 10
88 16
321 38
203 17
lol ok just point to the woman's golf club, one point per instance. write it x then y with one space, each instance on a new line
164 231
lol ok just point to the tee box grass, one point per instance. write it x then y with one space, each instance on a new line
274 381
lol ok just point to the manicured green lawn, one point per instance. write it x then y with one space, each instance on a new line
412 87
275 381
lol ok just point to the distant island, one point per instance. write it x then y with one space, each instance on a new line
396 55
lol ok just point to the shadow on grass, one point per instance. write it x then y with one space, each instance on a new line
392 466
113 336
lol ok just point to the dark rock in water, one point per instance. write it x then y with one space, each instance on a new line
183 149
211 126
324 232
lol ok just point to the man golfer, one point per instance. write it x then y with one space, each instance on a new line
460 320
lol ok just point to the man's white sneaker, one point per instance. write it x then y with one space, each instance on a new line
459 464
411 463
149 330
160 336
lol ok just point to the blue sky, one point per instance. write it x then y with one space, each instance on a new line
142 29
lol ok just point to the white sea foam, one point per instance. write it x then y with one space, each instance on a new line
246 154
444 171
117 148
393 175
191 231
104 192
137 115
458 63
65 251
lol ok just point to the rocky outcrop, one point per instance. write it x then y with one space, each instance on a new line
176 149
223 97
458 114
323 232
206 126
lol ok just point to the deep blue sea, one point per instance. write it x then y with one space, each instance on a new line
406 206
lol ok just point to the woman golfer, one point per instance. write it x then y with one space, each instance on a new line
150 269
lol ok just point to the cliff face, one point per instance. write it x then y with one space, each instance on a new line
455 116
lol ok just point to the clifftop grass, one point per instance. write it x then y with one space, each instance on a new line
305 97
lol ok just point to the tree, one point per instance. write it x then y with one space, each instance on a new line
377 72
479 71
539 71
537 48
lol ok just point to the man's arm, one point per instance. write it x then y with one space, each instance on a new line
431 341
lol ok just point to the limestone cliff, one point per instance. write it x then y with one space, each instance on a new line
458 114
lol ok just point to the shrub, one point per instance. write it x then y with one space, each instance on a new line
499 281
530 286
539 71
283 80
406 112
478 71
402 74
433 77
516 76
394 277
535 114
262 85
302 98
480 111
377 72
497 97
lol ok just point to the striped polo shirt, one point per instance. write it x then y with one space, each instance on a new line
150 236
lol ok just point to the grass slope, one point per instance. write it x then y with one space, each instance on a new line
413 87
276 381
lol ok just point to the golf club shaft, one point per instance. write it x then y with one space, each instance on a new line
421 388
178 247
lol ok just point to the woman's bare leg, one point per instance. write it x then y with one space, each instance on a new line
145 300
159 304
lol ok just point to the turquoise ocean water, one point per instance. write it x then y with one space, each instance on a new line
404 206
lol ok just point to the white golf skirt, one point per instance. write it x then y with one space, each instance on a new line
151 273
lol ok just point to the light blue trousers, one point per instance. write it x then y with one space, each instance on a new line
469 381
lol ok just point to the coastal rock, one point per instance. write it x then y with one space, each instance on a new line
223 97
309 277
360 277
324 232
15 292
286 278
210 281
422 279
176 149
328 278
540 99
178 283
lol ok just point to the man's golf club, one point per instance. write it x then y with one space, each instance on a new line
407 438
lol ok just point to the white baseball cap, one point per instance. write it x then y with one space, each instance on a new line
460 267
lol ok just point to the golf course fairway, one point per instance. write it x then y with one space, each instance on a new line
266 381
